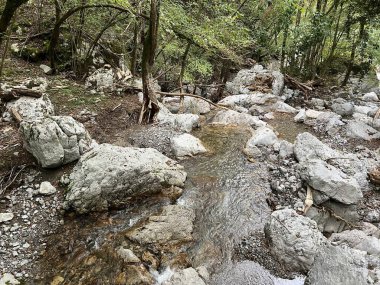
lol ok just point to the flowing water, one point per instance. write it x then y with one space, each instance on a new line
228 194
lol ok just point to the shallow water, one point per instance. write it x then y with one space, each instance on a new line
228 194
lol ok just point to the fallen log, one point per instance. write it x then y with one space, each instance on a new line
298 85
16 93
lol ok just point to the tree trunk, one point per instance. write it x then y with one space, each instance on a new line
353 52
61 19
182 73
224 73
150 108
10 8
283 47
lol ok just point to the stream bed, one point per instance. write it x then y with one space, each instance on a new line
228 194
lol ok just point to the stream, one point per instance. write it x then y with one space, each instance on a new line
228 194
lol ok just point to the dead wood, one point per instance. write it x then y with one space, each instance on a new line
16 93
295 84
16 115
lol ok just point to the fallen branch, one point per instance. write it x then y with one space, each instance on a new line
298 85
191 95
11 177
16 93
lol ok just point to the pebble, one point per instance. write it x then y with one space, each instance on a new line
5 217
46 188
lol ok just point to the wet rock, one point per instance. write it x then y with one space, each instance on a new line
331 181
55 140
46 69
357 239
342 107
371 96
182 122
282 107
263 136
32 109
8 279
108 176
188 276
190 105
360 130
248 100
294 239
46 188
256 77
230 117
135 275
337 265
127 255
173 225
5 217
187 145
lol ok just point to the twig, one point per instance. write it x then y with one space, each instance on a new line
9 183
116 107
282 224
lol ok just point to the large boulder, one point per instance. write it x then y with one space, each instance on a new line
360 130
358 240
331 182
263 136
338 265
309 147
173 225
187 145
108 176
182 122
55 140
190 105
342 107
256 78
31 109
188 276
229 117
248 100
294 239
282 107
332 217
101 79
370 97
